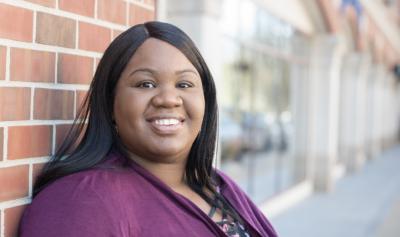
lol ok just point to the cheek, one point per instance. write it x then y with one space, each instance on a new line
196 110
126 109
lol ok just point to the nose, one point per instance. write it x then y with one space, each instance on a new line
167 97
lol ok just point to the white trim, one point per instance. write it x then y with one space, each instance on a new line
48 48
8 63
32 104
287 199
27 161
44 85
95 9
56 68
53 139
94 66
75 99
5 142
77 35
127 9
32 123
141 4
30 179
2 227
58 12
161 10
34 27
14 203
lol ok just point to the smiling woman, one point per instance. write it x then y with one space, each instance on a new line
142 165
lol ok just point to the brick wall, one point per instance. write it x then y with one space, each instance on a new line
48 53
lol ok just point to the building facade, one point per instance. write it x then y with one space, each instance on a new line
49 50
306 89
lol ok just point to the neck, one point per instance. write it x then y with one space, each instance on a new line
172 174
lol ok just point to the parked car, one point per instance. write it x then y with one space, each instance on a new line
256 132
230 135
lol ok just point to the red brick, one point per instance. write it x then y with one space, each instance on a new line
46 3
21 26
81 7
1 143
96 61
114 11
138 14
62 132
31 65
116 33
29 141
15 103
74 69
14 182
80 97
12 217
93 37
53 104
36 170
3 55
55 30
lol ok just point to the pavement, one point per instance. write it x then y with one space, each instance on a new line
363 204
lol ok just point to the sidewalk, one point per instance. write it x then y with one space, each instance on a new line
364 204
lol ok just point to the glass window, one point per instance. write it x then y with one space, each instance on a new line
256 124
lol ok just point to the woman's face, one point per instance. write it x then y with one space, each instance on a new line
159 103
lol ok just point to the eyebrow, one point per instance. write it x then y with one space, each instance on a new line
154 72
186 70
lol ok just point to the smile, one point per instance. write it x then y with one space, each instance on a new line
166 122
166 126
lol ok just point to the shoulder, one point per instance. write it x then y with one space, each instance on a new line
89 183
86 203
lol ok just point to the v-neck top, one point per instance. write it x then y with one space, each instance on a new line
230 226
115 199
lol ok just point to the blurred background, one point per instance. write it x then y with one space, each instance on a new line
308 96
309 107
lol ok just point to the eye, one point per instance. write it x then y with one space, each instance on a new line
146 84
184 84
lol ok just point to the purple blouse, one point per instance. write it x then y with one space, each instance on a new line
117 200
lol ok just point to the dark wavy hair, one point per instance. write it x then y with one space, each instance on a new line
93 136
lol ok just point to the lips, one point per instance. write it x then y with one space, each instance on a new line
166 125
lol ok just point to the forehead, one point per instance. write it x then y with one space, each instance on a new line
159 55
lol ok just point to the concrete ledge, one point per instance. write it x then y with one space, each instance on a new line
339 172
287 199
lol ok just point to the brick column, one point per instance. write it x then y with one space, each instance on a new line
49 50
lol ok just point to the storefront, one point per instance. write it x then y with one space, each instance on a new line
250 52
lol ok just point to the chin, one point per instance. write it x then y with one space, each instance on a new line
169 151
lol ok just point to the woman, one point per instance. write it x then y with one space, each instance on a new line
142 165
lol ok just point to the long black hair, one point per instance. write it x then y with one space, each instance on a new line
92 135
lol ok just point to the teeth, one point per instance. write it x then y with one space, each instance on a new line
166 121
